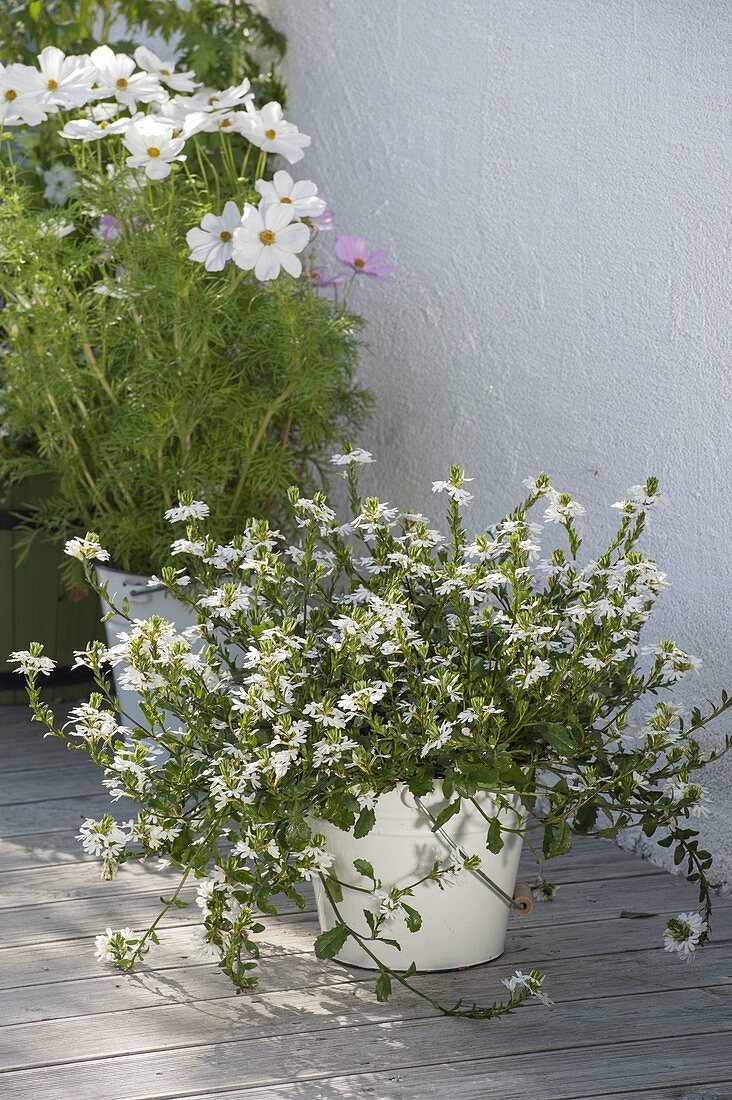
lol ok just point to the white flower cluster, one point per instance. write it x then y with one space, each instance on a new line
378 652
111 89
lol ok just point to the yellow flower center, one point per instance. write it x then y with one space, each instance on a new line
359 263
153 151
11 94
225 122
95 86
102 125
225 236
52 85
286 200
212 99
270 134
165 72
267 236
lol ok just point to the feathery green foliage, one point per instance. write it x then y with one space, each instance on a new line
131 373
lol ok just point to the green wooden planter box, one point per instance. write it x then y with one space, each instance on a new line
36 606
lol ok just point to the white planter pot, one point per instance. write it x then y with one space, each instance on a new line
462 925
143 603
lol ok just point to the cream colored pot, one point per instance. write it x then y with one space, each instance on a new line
462 924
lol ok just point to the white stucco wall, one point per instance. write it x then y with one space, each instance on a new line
554 180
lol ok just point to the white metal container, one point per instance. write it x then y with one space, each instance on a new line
463 924
144 601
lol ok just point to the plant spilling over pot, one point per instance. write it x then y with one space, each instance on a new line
167 322
379 656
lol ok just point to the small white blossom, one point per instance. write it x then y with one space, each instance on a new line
194 509
356 457
86 549
116 946
32 663
683 934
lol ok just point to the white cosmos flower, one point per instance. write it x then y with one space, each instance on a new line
164 70
268 240
65 81
60 182
153 147
208 99
228 121
21 99
213 243
269 131
302 195
114 75
91 129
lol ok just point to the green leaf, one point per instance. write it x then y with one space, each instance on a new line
34 10
329 943
494 840
585 817
297 835
413 918
335 889
562 740
365 823
446 814
383 987
557 844
364 868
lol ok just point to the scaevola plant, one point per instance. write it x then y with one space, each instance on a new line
375 652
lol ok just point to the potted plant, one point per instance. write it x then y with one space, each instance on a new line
170 328
382 710
223 44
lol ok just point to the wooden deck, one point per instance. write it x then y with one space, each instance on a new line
629 1020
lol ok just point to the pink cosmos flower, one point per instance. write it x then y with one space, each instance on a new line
352 252
324 222
319 279
110 228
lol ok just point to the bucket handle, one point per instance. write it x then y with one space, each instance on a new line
518 903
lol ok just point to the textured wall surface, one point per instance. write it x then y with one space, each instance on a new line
554 180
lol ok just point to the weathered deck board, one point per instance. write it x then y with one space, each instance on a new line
629 1020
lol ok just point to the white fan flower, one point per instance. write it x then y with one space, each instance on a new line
213 243
193 509
153 147
357 456
268 240
114 75
164 70
86 549
271 133
683 934
302 195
